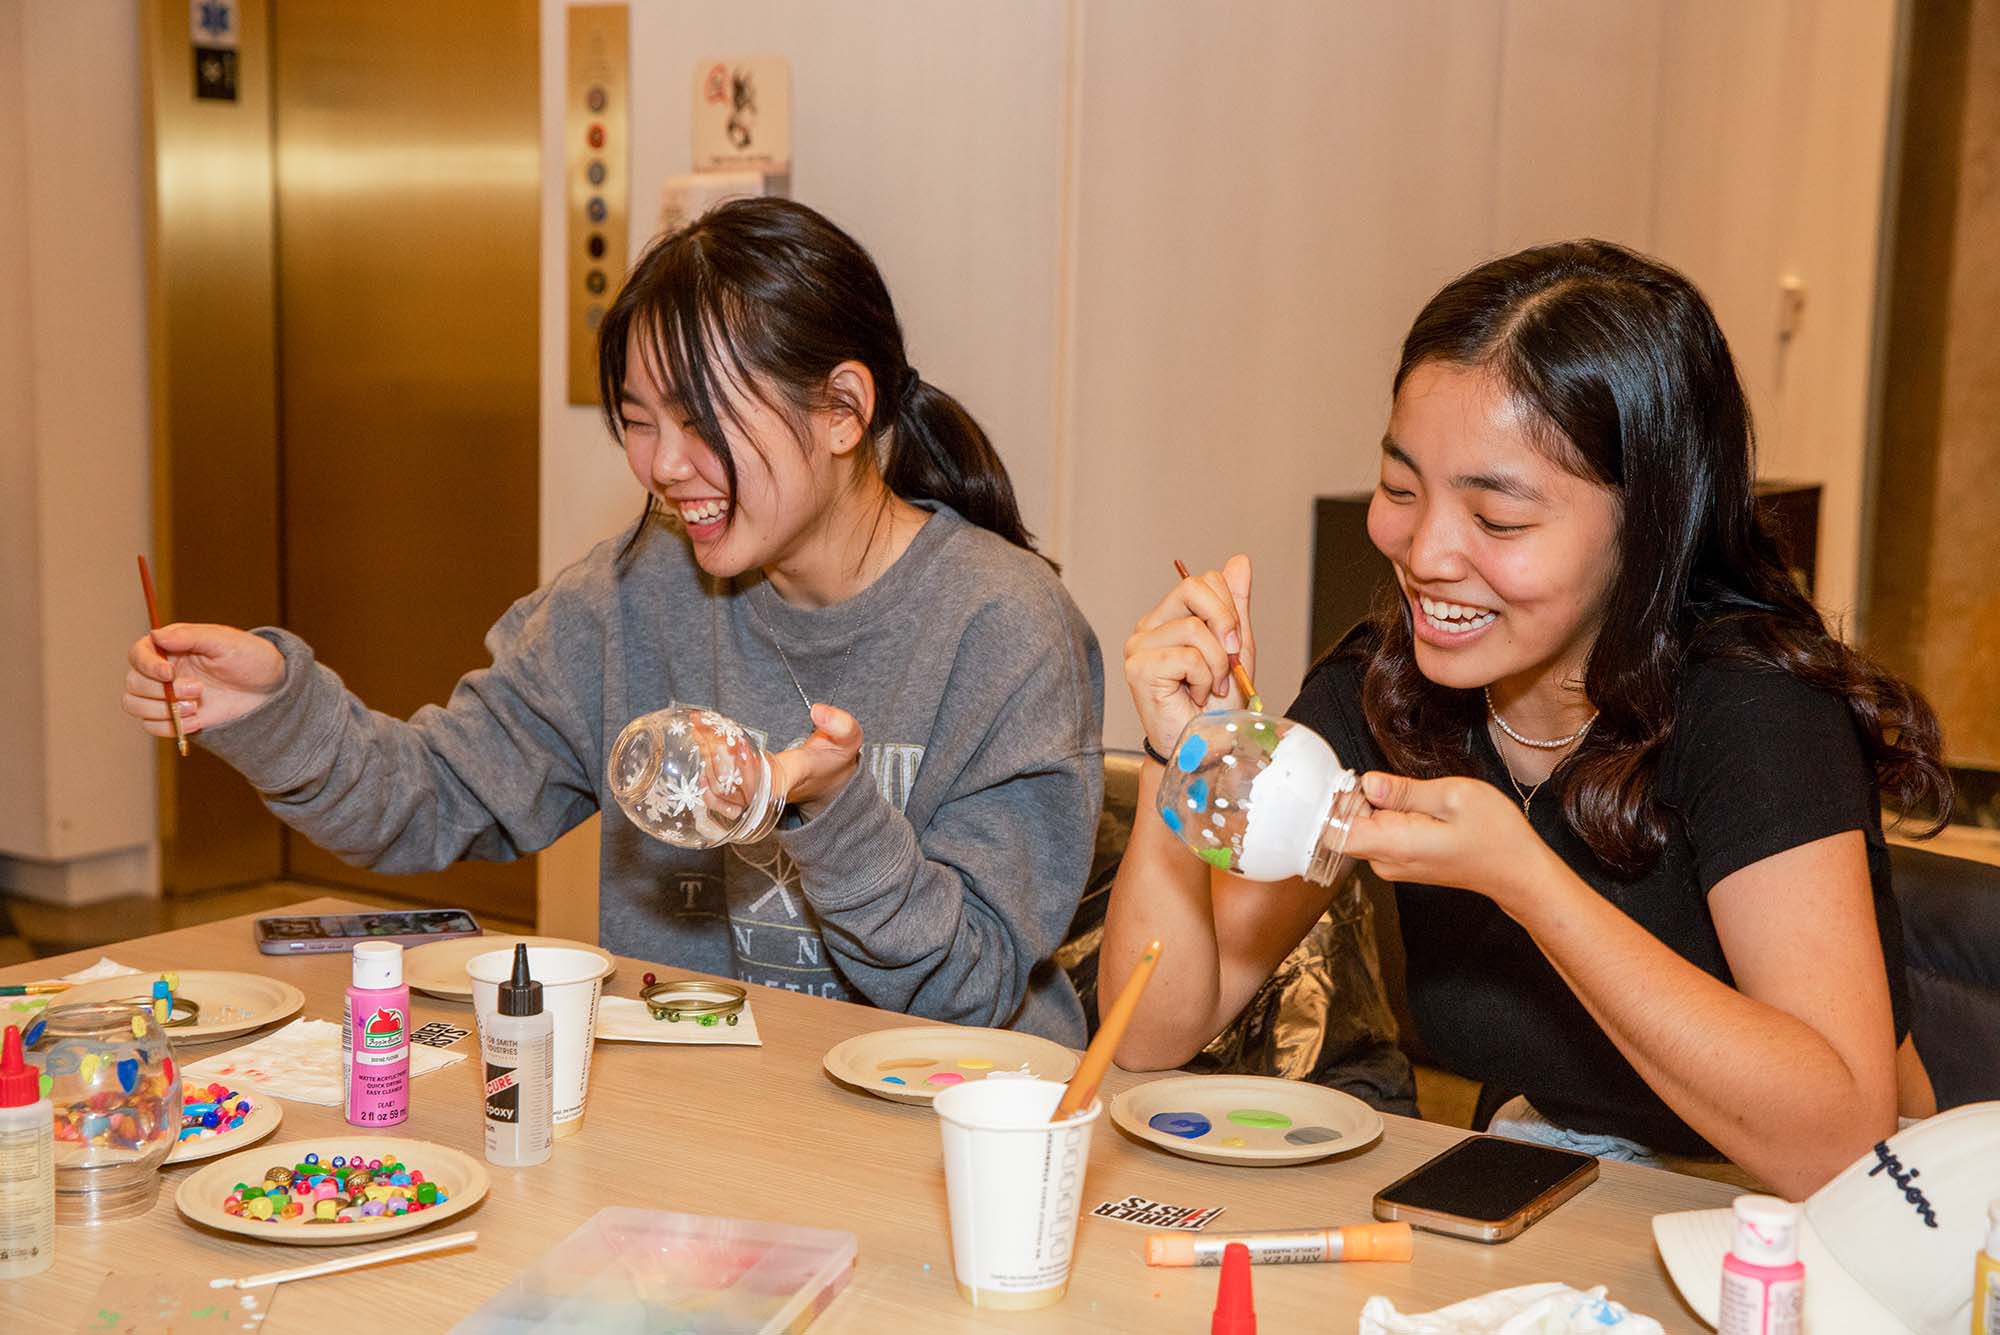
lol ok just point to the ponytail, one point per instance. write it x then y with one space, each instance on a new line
937 452
768 296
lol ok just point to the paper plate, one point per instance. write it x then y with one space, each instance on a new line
231 1003
439 968
912 1065
265 1114
1246 1119
462 1178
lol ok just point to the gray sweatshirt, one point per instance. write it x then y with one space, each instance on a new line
939 882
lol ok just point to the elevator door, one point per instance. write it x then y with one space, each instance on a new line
407 203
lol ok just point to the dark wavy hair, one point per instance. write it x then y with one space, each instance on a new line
769 295
1621 362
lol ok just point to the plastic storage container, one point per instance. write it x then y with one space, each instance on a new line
638 1272
1260 796
694 779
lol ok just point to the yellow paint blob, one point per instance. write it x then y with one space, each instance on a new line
974 1064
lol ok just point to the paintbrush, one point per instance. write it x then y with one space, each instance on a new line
1251 700
153 615
1097 1058
348 1262
32 989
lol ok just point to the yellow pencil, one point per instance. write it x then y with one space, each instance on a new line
1097 1058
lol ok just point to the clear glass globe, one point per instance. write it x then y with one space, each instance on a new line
694 779
1260 796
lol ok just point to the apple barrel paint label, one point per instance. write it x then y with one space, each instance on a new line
382 1037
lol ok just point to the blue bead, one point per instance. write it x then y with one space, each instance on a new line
211 1121
312 1158
340 1161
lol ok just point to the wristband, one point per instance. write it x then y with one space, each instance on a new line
1151 754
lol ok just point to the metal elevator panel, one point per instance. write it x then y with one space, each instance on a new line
211 313
407 199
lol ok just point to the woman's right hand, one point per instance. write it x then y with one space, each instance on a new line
1177 660
219 674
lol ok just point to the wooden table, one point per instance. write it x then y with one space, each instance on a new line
765 1133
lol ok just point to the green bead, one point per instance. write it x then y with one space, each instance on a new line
250 1193
427 1194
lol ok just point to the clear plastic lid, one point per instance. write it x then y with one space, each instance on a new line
1767 1230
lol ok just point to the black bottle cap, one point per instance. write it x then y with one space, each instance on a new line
520 995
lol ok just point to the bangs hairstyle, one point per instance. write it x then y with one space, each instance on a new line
764 299
1619 360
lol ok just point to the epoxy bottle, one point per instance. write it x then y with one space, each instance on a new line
1986 1278
27 1166
1763 1280
375 1037
518 1046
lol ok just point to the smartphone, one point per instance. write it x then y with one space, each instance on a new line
339 931
1486 1188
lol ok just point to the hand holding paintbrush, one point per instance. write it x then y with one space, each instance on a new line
1097 1058
1251 700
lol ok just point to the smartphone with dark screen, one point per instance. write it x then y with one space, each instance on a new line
1486 1188
323 933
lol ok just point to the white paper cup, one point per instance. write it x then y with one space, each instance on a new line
571 981
1015 1185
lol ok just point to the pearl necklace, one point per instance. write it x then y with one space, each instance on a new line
1555 745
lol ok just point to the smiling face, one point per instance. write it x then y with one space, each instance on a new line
1506 558
781 480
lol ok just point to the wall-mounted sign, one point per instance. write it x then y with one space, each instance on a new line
213 24
743 115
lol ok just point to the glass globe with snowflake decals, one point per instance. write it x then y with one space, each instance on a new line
694 779
1260 796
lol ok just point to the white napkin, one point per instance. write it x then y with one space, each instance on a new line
106 967
300 1062
627 1020
1532 1309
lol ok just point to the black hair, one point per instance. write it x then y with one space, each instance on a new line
769 296
1621 363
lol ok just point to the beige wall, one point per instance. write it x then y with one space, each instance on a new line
76 780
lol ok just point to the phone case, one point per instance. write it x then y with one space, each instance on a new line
327 945
1481 1230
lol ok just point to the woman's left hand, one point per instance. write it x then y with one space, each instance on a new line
820 766
1456 831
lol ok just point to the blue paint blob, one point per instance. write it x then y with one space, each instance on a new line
1198 795
34 1032
1192 752
128 1074
1188 1126
1172 818
894 1080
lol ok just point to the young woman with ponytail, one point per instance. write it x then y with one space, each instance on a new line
830 551
1626 784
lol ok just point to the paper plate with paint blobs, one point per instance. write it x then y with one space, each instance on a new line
1246 1119
916 1064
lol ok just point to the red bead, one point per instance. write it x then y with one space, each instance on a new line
650 979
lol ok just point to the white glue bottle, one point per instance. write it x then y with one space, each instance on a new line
518 1045
1763 1280
27 1166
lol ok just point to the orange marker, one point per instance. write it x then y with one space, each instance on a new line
1356 1242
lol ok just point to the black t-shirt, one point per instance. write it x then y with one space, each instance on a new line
1758 763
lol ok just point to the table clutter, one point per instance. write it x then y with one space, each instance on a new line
742 1190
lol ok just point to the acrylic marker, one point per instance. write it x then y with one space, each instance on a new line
1290 1246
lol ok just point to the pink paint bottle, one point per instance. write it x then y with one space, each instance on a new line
1763 1280
375 1037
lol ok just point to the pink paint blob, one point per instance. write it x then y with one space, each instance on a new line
945 1078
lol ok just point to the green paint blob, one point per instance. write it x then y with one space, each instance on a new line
1257 1117
1266 736
1214 857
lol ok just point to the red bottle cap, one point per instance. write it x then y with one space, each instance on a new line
1234 1314
20 1083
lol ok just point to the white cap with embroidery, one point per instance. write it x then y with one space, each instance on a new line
1888 1244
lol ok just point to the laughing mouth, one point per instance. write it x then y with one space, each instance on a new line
705 511
1453 618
